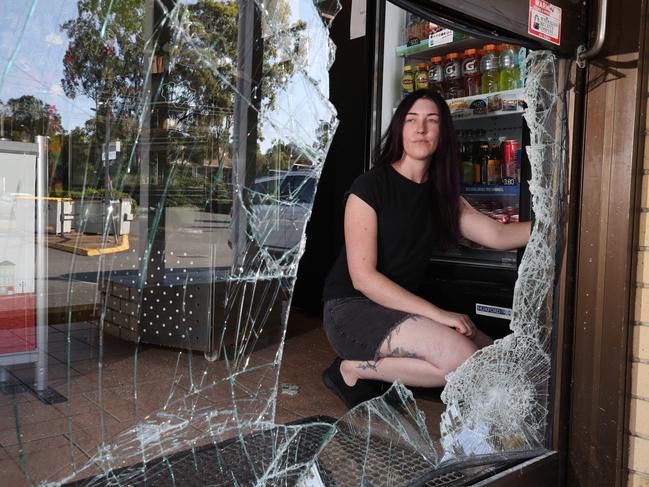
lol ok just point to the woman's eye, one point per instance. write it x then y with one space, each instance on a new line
410 120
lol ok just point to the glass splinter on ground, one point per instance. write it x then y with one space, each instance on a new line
192 134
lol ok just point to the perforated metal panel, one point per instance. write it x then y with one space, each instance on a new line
186 307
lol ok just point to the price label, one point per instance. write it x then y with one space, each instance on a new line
444 36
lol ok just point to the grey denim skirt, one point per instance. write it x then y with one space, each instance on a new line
356 327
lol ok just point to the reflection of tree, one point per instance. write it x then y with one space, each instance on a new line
105 57
106 62
27 116
280 157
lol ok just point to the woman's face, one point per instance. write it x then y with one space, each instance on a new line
421 130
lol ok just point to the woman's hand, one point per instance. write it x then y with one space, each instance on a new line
459 322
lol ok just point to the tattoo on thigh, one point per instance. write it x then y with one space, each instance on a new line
402 353
369 365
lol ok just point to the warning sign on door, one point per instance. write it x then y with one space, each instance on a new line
545 21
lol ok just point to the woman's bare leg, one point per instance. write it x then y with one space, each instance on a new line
419 352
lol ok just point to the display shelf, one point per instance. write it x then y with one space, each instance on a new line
500 103
489 189
425 49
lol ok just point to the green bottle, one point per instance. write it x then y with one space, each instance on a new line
510 74
489 68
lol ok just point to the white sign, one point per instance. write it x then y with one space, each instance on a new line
493 311
443 36
544 21
113 149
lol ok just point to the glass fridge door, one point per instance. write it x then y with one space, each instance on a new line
483 86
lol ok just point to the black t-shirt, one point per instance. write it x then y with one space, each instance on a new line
404 234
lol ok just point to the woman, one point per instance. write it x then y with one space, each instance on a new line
395 214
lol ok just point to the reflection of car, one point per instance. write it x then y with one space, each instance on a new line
278 219
268 184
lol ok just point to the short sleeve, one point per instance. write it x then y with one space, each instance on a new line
366 188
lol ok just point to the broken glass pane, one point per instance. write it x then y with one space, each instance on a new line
179 145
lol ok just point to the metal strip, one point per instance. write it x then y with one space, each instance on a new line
41 263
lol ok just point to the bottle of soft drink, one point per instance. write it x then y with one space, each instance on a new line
421 78
407 81
471 72
494 169
510 74
489 68
436 75
453 76
481 165
466 157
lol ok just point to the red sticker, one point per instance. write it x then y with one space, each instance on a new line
545 21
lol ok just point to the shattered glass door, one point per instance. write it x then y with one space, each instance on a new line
170 153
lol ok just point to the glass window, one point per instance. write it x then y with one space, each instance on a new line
158 164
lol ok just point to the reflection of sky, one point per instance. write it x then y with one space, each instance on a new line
37 68
37 46
298 93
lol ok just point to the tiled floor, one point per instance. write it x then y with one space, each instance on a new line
58 439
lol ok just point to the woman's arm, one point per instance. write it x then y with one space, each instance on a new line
486 231
361 246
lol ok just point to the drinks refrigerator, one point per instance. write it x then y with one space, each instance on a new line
468 278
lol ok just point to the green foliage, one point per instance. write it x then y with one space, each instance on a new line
106 61
26 117
105 56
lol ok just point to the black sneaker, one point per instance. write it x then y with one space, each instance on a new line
351 396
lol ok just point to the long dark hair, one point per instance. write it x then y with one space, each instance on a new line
444 167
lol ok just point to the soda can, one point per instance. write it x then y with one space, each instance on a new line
510 162
501 217
513 218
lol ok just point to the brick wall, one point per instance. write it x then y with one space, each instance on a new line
639 410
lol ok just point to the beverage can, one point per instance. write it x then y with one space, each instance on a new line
513 218
510 162
501 217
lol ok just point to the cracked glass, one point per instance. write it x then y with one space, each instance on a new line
159 161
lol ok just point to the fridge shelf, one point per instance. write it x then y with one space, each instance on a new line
489 189
426 49
498 104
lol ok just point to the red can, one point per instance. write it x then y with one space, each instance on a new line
510 164
513 218
501 217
